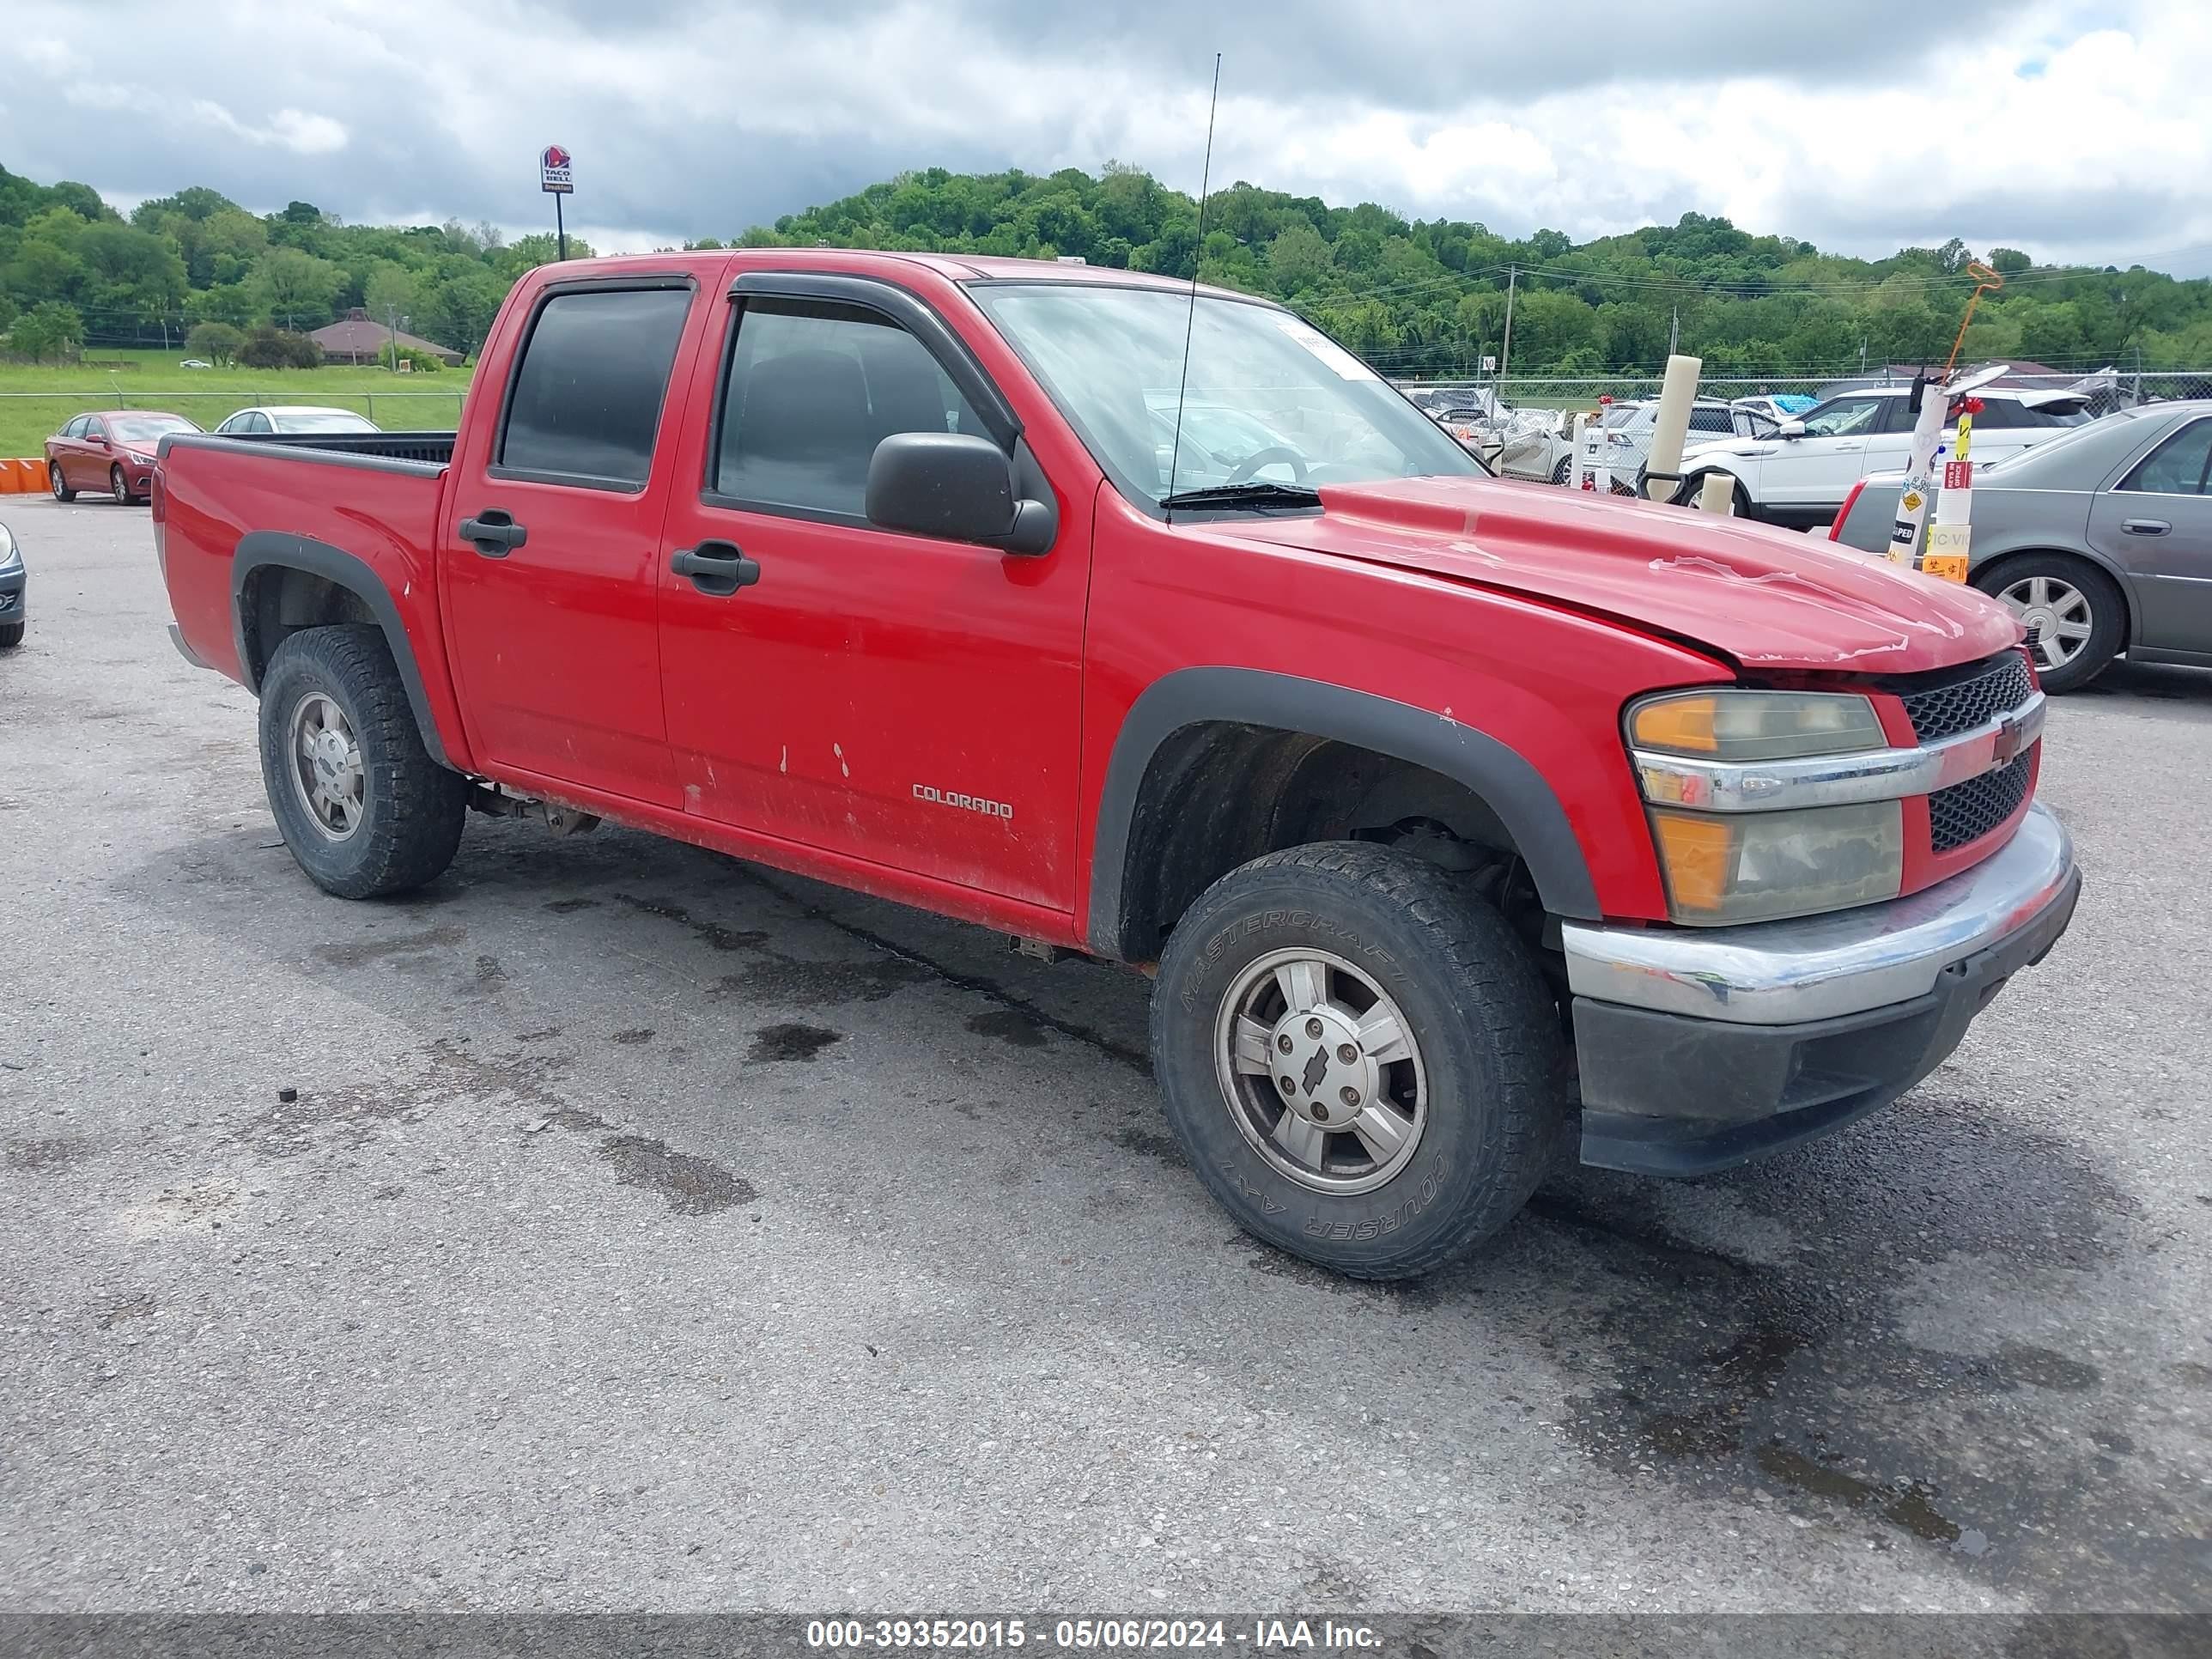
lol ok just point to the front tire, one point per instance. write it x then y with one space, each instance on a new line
119 486
1414 1110
11 635
1562 470
364 809
2076 619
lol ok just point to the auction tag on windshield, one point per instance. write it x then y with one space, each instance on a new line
1340 362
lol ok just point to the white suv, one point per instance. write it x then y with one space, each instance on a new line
1802 474
1623 436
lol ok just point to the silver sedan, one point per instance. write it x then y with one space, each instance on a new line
2100 541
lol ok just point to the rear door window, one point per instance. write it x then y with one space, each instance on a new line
1710 420
2179 467
586 401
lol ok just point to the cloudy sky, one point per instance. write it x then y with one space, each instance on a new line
2068 128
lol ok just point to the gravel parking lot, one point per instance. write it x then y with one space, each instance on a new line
649 1230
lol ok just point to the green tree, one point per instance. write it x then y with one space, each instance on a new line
218 342
296 287
49 329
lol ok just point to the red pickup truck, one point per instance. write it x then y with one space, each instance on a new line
1456 816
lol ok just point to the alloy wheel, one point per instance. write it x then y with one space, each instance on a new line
2057 615
1320 1071
326 765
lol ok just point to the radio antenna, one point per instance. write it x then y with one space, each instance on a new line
1190 320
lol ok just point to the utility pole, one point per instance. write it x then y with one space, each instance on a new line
1505 351
1674 334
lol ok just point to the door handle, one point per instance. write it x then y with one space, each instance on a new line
494 533
719 568
2145 527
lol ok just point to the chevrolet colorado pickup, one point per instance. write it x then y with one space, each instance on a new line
1460 820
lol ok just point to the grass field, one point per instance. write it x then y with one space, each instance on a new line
36 401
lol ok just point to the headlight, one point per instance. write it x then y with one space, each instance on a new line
1758 866
9 554
1734 862
1755 725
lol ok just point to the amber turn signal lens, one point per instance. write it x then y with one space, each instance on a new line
1680 725
1697 855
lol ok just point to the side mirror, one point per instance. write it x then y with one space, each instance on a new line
1791 429
957 487
100 440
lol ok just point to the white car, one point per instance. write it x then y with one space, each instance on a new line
1538 444
293 419
1802 473
1622 437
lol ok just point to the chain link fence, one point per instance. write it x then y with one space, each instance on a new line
23 413
2107 388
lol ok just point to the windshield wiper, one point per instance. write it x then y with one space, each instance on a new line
1257 492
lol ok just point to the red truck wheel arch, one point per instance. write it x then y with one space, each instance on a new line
1495 775
268 550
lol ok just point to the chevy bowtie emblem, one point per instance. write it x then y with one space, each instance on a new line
2006 742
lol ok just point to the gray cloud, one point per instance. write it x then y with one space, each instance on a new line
700 118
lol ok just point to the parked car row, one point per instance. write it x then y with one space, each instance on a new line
111 452
2099 540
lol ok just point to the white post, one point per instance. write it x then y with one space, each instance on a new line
1575 449
1717 496
1919 476
1949 541
1676 393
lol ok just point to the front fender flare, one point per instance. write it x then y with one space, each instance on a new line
266 548
1500 775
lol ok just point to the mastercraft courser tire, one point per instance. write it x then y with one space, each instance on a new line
1482 1072
405 825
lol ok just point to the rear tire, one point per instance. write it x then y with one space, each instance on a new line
2075 617
1389 941
364 809
1562 470
63 492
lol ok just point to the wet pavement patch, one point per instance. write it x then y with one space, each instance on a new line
640 1034
568 907
692 1186
47 1155
781 1043
822 984
137 1305
712 933
1148 1143
359 953
1792 1377
1009 1025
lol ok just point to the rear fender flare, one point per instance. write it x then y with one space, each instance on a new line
1500 775
270 549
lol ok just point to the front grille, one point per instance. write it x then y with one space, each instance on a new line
1960 703
1967 812
7 602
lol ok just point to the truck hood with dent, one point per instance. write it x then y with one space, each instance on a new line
1762 597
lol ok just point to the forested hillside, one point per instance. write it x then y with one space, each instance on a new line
1413 296
75 272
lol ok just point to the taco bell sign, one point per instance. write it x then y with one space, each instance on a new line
556 171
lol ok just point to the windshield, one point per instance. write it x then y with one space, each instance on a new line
144 428
332 420
1270 399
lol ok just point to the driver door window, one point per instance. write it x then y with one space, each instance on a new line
1845 417
813 388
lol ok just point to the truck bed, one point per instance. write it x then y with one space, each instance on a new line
430 448
362 508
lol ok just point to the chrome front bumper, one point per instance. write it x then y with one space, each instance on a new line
1698 1049
1780 973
